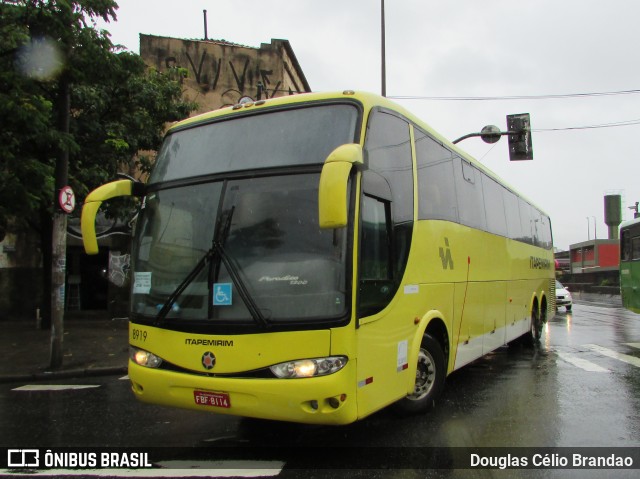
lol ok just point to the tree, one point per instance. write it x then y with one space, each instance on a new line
67 91
118 105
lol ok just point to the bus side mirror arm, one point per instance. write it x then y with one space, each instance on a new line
92 205
334 179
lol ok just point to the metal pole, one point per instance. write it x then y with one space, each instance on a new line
472 135
384 55
206 33
588 228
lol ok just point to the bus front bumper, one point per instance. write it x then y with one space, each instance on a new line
328 399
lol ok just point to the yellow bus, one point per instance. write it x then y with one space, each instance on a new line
318 257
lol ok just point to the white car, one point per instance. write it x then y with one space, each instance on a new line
563 297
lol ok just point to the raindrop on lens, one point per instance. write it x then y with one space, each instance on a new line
40 59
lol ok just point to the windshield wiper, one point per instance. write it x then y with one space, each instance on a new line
166 307
239 283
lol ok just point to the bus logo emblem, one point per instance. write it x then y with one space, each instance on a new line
208 360
445 256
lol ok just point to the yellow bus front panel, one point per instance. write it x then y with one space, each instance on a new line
234 353
221 374
322 400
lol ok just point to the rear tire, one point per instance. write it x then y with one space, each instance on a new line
535 331
430 376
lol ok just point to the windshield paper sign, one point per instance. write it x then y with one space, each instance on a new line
141 282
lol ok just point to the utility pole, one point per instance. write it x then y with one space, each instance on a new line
59 234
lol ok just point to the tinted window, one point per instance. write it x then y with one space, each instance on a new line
494 206
527 222
388 188
301 136
625 245
437 192
546 237
512 213
293 270
388 152
630 242
635 248
376 246
469 194
377 285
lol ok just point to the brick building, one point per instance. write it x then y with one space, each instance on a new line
220 73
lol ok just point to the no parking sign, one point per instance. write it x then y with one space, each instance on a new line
67 199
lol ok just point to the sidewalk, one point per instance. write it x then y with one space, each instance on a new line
90 347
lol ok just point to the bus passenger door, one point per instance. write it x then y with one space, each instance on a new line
382 341
385 321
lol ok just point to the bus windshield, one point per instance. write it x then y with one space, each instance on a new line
302 136
235 250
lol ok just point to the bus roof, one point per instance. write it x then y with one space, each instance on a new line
628 223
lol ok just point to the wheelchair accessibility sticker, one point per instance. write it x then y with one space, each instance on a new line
222 294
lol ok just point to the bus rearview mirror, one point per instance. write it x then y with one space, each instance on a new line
92 205
334 179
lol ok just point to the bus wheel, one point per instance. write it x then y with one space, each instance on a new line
535 332
430 376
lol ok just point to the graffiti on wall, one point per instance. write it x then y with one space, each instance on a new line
232 79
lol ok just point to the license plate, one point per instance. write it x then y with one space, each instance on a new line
206 398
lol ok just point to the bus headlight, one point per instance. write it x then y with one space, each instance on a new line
307 368
144 358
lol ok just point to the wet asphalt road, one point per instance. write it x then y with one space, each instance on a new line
579 388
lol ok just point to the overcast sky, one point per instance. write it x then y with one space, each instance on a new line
461 49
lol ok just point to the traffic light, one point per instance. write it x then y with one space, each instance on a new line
519 128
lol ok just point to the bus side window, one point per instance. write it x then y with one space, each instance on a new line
437 191
388 152
635 248
376 272
376 244
469 194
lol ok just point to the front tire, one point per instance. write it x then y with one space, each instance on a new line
430 376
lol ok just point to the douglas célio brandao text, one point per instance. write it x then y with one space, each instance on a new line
551 460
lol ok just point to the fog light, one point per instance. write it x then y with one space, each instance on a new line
334 403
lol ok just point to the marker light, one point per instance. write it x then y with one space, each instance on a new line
307 368
144 358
